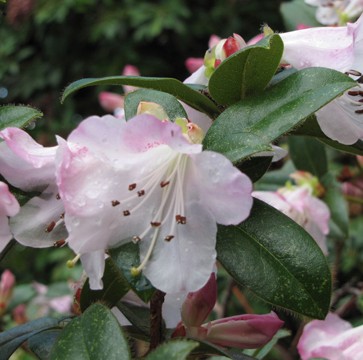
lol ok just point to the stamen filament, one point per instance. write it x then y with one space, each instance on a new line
71 263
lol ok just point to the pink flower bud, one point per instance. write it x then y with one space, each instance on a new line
198 305
130 70
193 64
7 283
110 101
247 331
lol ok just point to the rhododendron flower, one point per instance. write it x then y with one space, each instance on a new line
246 331
29 166
145 181
332 338
338 48
9 206
300 205
7 283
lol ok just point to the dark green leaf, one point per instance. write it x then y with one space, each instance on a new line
115 286
167 85
277 260
11 339
311 128
138 317
170 104
250 125
125 257
308 154
297 12
246 72
173 350
256 167
339 216
17 116
41 344
95 335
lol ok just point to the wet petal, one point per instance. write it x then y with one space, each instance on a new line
94 265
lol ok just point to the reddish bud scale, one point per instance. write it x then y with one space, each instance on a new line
230 46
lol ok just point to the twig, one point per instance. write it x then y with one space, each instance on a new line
156 319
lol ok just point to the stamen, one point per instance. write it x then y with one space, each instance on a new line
353 93
181 219
359 111
115 202
126 213
169 238
136 239
71 263
50 227
164 183
141 193
132 186
353 72
61 216
155 223
59 243
57 197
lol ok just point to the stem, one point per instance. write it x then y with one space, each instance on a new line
354 199
156 319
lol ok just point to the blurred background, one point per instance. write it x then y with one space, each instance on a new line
47 44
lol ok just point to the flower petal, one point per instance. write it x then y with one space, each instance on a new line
94 265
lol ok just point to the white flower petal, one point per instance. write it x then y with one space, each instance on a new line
94 265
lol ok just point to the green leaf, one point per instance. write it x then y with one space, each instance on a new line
339 215
246 72
125 257
277 260
168 85
11 339
311 128
255 167
115 286
17 116
95 335
170 104
308 154
298 12
173 350
250 125
41 344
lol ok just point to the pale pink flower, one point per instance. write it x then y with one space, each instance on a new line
300 205
29 166
246 331
332 338
338 48
144 180
9 206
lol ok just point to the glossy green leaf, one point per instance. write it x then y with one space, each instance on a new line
312 128
246 72
255 167
41 344
167 85
339 215
17 116
125 257
250 125
115 286
277 260
173 350
170 104
308 154
95 335
297 12
11 339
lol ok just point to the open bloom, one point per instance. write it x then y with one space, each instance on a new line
29 166
300 205
145 181
338 48
9 206
332 338
246 331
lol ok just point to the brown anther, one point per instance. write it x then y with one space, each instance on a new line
155 224
169 238
61 216
360 100
164 183
141 193
57 197
353 93
126 213
353 72
136 239
359 111
59 243
181 219
115 202
132 186
50 227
